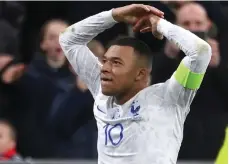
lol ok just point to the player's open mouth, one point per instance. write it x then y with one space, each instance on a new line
105 80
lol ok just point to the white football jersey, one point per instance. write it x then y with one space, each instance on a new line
148 129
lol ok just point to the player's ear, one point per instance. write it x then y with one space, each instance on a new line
141 73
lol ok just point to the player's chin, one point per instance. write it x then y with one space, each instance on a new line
107 91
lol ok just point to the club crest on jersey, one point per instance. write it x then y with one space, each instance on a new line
135 108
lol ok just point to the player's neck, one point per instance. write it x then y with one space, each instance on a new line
123 98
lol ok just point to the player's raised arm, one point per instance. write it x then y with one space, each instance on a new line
74 44
189 74
192 68
188 77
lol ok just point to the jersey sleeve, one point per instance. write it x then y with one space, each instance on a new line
74 44
187 78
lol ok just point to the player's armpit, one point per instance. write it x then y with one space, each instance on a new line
187 78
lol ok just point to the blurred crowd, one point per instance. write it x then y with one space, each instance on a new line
46 111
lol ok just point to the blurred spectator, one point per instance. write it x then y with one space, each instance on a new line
13 12
49 43
205 124
38 12
11 67
8 142
218 13
50 106
11 19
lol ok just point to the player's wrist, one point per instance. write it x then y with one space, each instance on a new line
154 20
163 26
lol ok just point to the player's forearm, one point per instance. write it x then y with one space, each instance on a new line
84 31
197 50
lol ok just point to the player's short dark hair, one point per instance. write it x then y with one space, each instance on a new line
45 25
13 133
139 46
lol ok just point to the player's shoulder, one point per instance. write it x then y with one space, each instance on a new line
155 89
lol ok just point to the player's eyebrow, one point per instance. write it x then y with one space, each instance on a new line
114 59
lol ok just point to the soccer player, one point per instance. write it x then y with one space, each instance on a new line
137 123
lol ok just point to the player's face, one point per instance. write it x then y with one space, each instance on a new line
119 70
6 141
50 43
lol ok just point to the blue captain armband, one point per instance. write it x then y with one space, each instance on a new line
187 78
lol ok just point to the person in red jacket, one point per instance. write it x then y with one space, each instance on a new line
8 142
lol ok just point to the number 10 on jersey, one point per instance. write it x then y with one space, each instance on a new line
113 132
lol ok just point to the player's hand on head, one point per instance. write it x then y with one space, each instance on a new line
148 24
131 14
